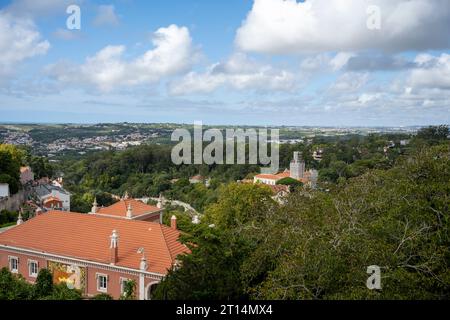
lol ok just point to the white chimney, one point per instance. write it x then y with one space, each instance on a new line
114 247
129 212
173 222
94 208
20 219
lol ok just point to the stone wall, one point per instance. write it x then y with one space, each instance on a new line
13 202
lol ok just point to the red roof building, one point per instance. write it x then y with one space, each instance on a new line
93 253
53 203
130 209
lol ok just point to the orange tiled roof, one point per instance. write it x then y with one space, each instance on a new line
119 209
87 237
285 174
277 176
267 176
50 199
282 175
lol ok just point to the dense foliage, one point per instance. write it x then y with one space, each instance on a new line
380 202
319 245
148 170
12 158
15 287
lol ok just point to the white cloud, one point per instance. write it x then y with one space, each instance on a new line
379 63
106 16
239 72
349 82
288 27
432 72
326 62
19 40
173 53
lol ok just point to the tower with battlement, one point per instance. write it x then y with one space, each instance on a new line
297 167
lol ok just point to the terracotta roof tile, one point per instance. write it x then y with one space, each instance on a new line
87 237
120 208
267 176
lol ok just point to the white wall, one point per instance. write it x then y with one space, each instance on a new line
4 190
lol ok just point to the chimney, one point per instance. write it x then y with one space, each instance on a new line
114 247
129 211
20 219
173 222
94 208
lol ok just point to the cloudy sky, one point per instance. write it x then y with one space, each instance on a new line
266 62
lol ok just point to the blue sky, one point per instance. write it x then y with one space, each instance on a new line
262 62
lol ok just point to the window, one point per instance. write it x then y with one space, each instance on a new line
102 282
33 268
123 281
14 264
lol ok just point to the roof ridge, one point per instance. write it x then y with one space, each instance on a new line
165 242
99 216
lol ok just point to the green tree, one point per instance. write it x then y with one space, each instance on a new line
13 287
44 283
434 134
210 272
292 183
129 290
238 204
102 296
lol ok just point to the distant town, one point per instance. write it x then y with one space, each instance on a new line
53 141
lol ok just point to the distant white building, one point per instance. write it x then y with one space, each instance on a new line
47 191
4 190
297 171
404 143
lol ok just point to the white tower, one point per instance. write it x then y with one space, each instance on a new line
297 167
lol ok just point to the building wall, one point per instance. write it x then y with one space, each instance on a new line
265 181
90 290
23 263
13 202
113 282
297 170
4 190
